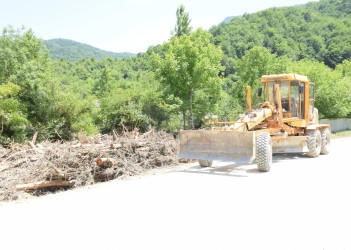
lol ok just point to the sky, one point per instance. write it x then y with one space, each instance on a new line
122 25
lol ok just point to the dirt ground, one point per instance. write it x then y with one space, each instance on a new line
36 169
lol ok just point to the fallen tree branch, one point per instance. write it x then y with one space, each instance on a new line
32 145
114 135
76 145
146 134
44 184
35 137
57 171
16 154
13 166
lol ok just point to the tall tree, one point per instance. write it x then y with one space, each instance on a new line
25 63
191 63
183 22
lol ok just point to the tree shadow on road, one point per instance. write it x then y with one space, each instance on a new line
234 169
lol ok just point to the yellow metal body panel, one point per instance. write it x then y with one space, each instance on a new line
318 126
248 96
217 145
299 123
289 144
286 77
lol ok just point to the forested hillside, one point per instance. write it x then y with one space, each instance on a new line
173 85
318 30
75 51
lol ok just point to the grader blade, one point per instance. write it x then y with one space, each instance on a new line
236 146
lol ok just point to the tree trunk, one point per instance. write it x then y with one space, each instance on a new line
184 119
191 108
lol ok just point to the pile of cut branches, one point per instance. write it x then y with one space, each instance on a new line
35 169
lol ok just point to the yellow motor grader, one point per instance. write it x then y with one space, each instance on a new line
286 123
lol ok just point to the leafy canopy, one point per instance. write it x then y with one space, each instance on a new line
191 63
183 22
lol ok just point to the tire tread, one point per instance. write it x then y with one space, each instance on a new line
264 152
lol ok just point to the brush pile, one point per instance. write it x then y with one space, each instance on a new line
35 169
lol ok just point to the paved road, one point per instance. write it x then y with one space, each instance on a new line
302 203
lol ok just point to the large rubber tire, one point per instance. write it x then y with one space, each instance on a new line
264 152
206 163
314 143
325 135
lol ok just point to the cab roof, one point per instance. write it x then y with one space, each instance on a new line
279 77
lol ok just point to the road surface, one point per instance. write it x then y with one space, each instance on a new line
303 203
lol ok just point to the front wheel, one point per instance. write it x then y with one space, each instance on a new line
205 163
264 152
314 143
325 135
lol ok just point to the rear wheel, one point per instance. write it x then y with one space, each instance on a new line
205 163
264 152
325 135
314 143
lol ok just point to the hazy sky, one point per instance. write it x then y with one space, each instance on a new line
121 25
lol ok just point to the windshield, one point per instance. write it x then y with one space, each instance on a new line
284 94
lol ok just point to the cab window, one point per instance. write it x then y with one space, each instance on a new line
294 98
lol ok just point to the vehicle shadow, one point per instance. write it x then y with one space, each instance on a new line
234 169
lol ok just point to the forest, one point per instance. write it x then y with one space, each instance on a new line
172 85
74 51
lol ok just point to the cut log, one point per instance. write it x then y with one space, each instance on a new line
44 184
117 145
105 161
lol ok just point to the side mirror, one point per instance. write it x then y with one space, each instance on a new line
301 89
260 91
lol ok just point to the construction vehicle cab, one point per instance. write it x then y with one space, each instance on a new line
287 122
297 95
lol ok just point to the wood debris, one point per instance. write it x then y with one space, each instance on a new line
44 167
44 184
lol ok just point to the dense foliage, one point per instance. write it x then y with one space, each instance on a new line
23 76
173 85
74 51
189 69
318 30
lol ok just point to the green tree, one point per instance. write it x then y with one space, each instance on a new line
257 62
25 63
13 121
344 68
333 95
183 22
103 85
191 63
319 30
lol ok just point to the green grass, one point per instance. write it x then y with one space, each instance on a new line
341 134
